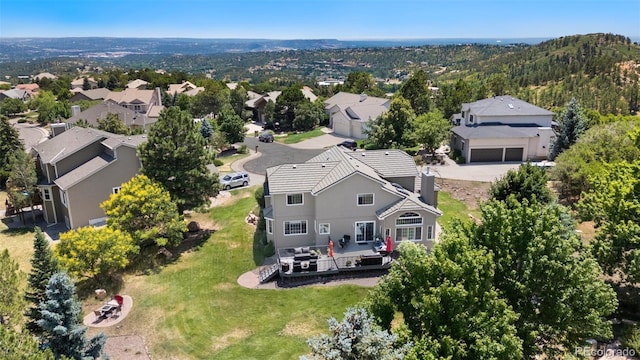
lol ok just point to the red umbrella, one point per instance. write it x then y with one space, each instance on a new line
330 247
389 244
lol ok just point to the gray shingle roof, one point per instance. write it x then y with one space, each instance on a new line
386 163
83 171
69 142
96 94
100 111
132 140
358 107
411 202
504 106
487 131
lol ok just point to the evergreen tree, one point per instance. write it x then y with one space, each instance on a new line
286 104
61 330
416 90
206 130
572 124
11 302
43 266
9 144
356 337
175 156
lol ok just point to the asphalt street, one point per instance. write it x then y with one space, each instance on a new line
274 154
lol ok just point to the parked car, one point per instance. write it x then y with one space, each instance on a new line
234 180
266 137
349 144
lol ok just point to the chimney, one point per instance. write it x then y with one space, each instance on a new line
363 97
428 188
75 110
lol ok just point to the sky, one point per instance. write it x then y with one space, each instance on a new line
318 19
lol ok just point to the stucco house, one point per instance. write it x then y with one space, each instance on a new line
19 94
350 114
257 102
137 84
90 95
363 194
78 83
186 87
148 102
80 169
500 129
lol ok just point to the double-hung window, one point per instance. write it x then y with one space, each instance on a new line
269 226
296 227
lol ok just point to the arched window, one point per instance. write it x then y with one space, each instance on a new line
409 227
409 218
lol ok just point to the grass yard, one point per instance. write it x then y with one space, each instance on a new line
195 309
453 209
296 138
228 160
19 242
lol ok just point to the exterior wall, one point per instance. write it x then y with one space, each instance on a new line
338 207
85 197
76 159
341 125
283 212
407 182
540 145
428 219
542 120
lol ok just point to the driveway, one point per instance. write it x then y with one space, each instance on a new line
487 172
30 134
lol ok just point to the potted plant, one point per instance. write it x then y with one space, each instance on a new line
348 263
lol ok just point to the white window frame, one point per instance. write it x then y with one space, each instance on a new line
284 227
295 204
116 189
430 232
373 232
359 196
324 228
63 197
409 219
415 230
269 223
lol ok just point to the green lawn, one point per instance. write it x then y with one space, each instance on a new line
195 309
228 160
453 209
296 138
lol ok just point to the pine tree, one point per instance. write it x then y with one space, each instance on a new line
43 266
572 124
175 156
9 144
11 304
62 333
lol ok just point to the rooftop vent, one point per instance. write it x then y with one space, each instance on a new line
363 153
386 153
510 106
295 166
324 165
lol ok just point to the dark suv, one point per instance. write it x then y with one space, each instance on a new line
265 137
349 144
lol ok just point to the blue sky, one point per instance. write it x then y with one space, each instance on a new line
313 19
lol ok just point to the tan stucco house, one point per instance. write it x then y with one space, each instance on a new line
365 195
502 128
81 168
350 114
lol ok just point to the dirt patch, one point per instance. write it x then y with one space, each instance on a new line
127 347
470 192
221 342
298 329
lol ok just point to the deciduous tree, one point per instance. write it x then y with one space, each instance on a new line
431 129
43 266
175 156
16 345
356 337
448 303
112 123
143 209
10 106
400 119
62 332
286 104
308 115
527 182
22 181
231 125
89 252
416 90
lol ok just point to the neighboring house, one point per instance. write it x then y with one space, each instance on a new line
186 88
78 84
90 95
44 75
147 102
257 102
365 195
23 95
350 114
98 112
502 128
32 89
80 169
137 84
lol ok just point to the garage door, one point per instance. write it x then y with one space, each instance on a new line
341 127
486 155
513 154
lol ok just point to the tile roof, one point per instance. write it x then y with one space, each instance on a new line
386 163
80 81
412 202
129 96
100 111
83 171
489 131
504 106
96 94
47 75
69 142
135 84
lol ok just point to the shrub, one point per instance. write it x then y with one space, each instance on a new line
632 339
22 120
217 162
259 196
243 149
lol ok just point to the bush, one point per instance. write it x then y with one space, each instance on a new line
269 249
259 196
456 156
217 162
243 149
22 120
631 338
